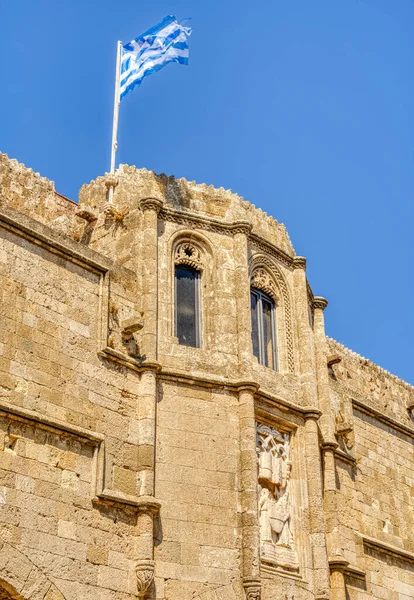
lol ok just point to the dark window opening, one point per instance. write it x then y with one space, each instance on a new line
263 328
187 306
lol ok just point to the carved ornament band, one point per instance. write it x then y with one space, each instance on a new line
151 204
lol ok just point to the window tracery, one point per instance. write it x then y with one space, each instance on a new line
187 253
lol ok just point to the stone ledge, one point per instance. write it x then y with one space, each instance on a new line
344 457
382 417
380 546
19 413
42 235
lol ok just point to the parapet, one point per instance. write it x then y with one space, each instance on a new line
133 184
29 193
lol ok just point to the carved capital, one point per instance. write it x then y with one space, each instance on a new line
241 227
144 570
320 302
253 589
151 204
249 386
311 413
299 262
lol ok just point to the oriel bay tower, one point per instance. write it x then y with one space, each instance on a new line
174 422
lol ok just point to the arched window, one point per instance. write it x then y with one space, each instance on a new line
263 311
187 306
187 277
263 328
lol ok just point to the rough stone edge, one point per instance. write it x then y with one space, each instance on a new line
352 354
202 187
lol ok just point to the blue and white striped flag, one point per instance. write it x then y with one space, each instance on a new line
151 51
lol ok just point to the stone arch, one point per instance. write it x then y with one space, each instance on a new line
21 579
266 274
185 240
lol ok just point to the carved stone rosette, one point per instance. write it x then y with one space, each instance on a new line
189 254
144 570
253 589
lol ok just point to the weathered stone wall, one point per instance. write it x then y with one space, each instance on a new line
196 480
54 390
295 483
29 193
376 506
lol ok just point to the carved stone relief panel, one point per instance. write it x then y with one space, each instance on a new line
274 467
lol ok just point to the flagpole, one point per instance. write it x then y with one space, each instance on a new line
115 119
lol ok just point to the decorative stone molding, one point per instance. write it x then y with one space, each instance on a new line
262 280
276 538
151 204
269 248
299 262
320 302
144 571
253 589
260 261
187 253
241 227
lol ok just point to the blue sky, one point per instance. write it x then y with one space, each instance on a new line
304 108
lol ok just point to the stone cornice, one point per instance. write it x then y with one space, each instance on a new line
217 226
266 246
386 548
18 413
46 237
382 418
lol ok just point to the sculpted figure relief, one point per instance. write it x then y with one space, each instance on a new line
276 539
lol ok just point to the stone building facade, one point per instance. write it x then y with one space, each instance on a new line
174 422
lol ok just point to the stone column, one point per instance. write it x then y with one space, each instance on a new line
242 291
313 455
249 492
150 208
146 409
329 446
316 508
338 589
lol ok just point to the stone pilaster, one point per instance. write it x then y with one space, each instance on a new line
242 289
150 208
313 455
249 492
329 445
316 508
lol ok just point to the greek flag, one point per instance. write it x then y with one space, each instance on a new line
151 51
